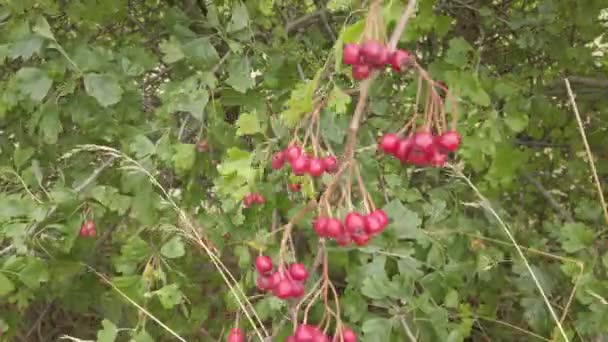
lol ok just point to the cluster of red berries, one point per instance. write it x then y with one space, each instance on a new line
356 228
302 163
236 335
88 229
371 54
253 198
311 333
422 148
283 283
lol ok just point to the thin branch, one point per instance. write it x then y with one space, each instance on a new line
588 149
303 20
547 195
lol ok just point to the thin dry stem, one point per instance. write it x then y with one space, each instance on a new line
587 149
486 204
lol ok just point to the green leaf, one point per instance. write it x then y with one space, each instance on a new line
339 100
404 222
33 82
239 73
575 237
172 51
26 47
169 296
201 49
239 19
451 299
248 124
103 88
458 52
6 285
299 103
22 155
184 157
174 248
50 124
142 336
43 28
377 329
34 273
516 121
108 333
142 146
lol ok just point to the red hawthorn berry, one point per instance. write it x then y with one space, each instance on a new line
347 336
316 167
334 228
418 157
400 59
371 51
278 160
300 165
351 54
373 224
381 215
259 199
263 264
292 153
305 333
297 289
344 240
202 146
298 272
438 159
283 289
449 140
236 335
331 164
294 187
320 225
354 223
264 283
424 141
361 71
388 143
404 148
361 239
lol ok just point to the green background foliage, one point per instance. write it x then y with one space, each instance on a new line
152 78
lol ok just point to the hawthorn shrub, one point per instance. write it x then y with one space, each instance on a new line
303 171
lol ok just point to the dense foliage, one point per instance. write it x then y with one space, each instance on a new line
131 132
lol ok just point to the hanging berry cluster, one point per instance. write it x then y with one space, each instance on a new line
373 55
303 163
283 283
253 198
357 228
311 333
425 139
88 229
421 148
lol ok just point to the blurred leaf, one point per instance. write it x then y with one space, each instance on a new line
33 82
103 88
239 73
248 124
108 333
169 296
174 248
